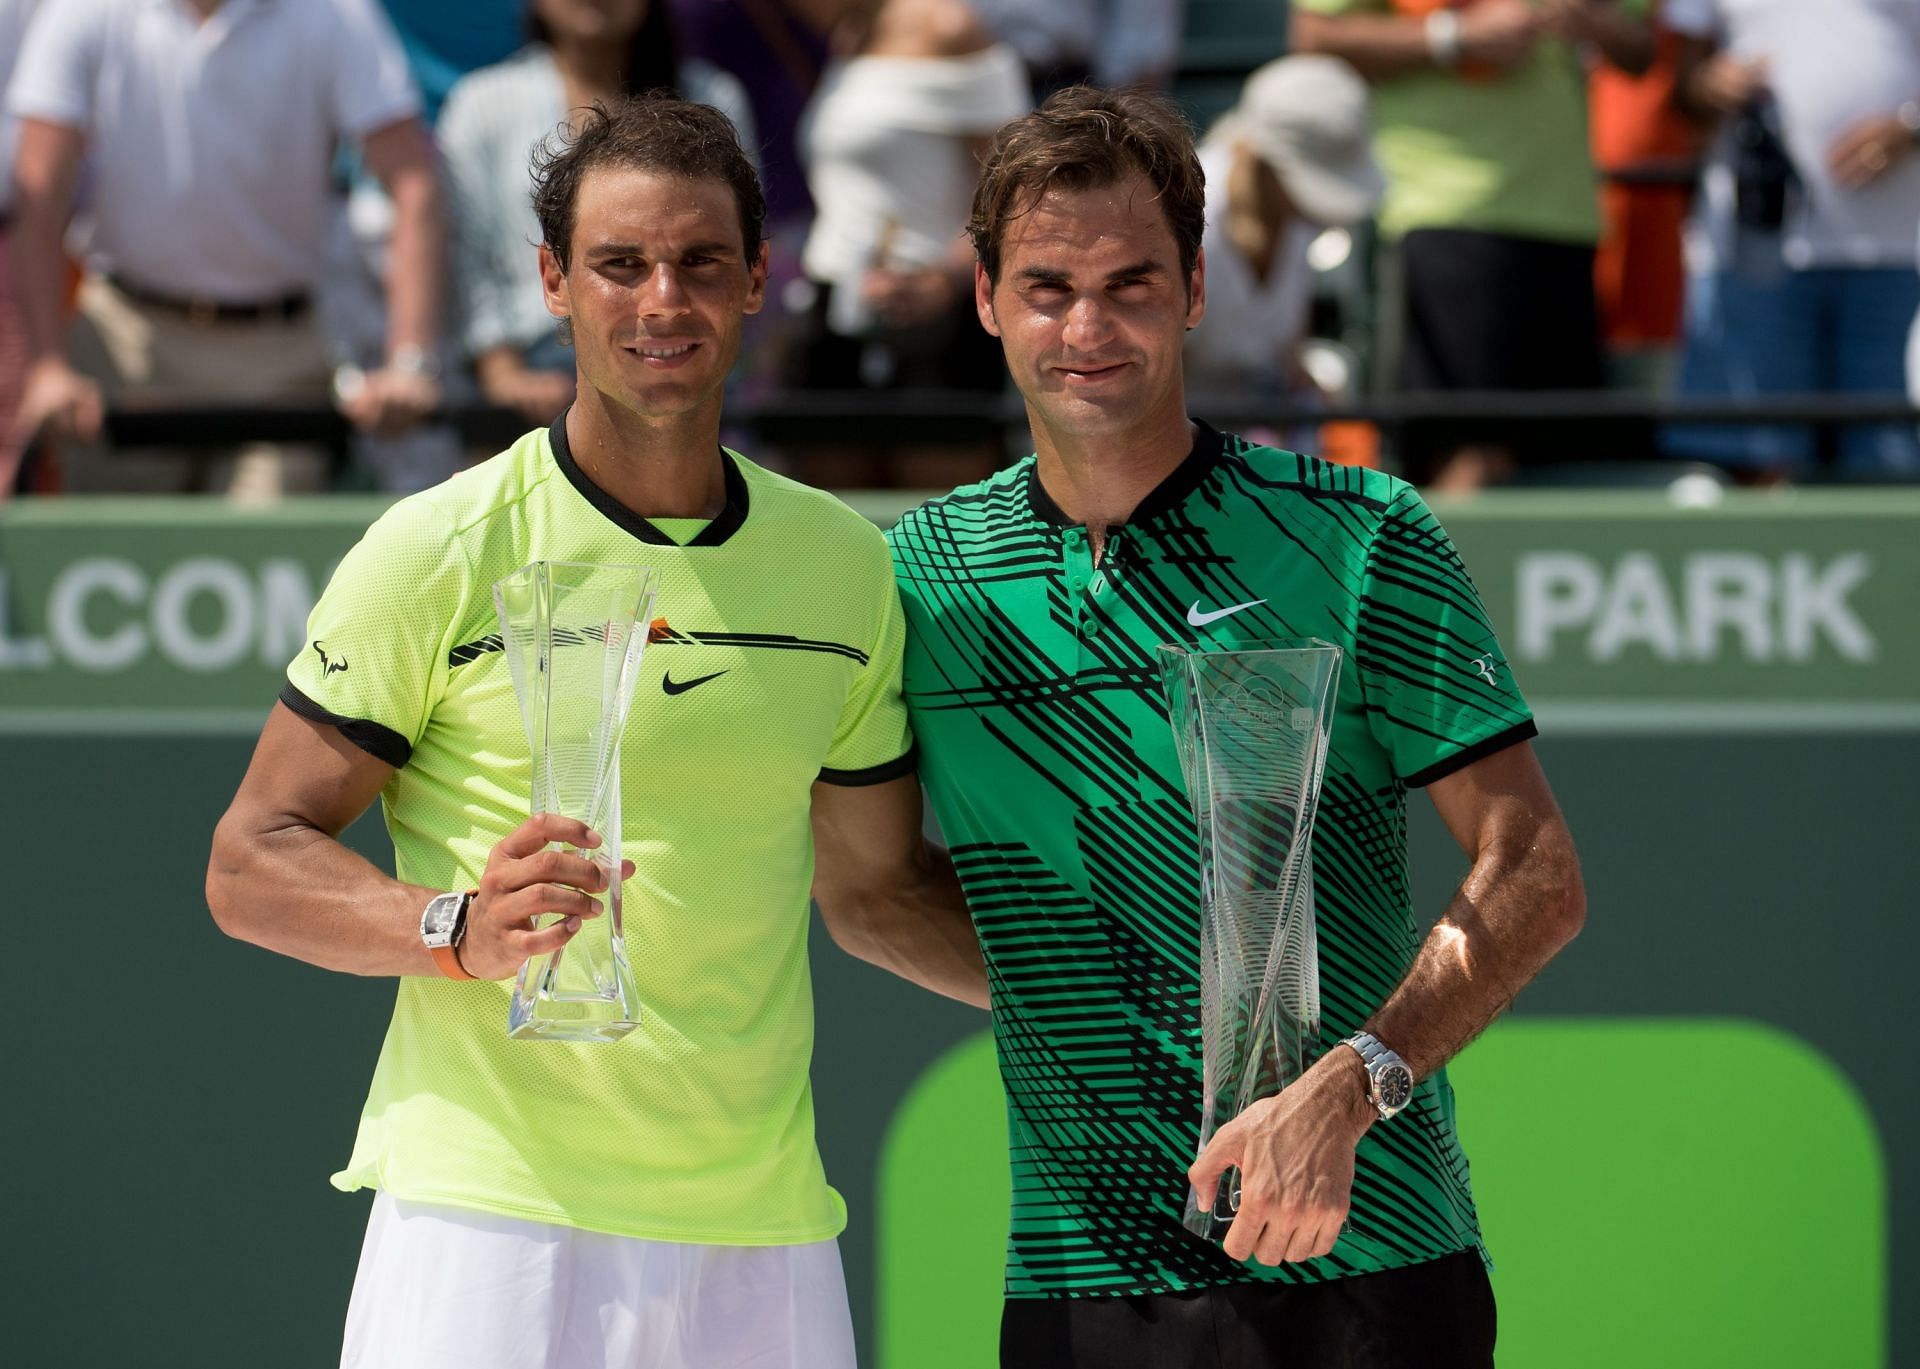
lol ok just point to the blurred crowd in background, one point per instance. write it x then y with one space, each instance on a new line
224 204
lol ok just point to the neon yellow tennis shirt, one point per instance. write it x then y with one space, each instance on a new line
779 666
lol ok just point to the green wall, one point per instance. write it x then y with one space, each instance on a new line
1625 1227
1695 1102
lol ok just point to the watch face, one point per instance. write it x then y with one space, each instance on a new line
437 922
1393 1086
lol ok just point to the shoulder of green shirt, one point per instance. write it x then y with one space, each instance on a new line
1000 481
1275 464
1308 471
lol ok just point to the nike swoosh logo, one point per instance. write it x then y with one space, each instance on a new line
667 682
1199 619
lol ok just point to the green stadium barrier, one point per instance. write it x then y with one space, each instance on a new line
1617 608
1730 704
1665 1217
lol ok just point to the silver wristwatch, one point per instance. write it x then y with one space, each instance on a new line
1389 1081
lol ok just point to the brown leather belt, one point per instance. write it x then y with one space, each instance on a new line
203 312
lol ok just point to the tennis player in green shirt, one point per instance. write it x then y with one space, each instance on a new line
656 1202
1034 604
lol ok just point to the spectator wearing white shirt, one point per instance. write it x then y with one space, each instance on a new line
893 141
1801 249
209 128
1291 158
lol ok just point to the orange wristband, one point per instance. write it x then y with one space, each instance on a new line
448 957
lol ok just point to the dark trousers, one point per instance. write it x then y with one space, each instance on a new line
1488 311
1437 1315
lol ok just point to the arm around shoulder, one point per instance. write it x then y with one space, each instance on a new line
889 896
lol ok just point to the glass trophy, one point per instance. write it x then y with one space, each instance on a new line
573 635
1251 725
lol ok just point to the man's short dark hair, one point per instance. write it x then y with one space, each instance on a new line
653 132
1083 138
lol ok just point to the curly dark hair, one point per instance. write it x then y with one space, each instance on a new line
657 132
1083 138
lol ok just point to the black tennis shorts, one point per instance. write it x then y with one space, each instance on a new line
1436 1315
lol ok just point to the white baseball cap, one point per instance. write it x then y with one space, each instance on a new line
1307 117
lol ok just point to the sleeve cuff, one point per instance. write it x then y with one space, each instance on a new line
382 743
49 110
1460 760
878 774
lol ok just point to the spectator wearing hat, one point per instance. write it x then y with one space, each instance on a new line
1492 205
1290 159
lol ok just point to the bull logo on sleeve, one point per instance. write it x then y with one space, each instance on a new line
328 665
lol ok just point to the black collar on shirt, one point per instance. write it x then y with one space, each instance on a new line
728 522
1183 480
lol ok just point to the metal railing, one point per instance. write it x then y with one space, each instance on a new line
796 421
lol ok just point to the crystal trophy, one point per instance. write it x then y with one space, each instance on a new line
1251 725
573 634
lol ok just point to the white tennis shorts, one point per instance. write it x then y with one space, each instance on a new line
445 1288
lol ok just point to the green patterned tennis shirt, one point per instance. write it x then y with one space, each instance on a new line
1045 748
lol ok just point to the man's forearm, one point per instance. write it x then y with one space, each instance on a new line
302 893
38 275
1375 45
1519 904
918 928
415 264
45 171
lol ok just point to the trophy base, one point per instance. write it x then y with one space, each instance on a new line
566 1022
580 991
1211 1223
